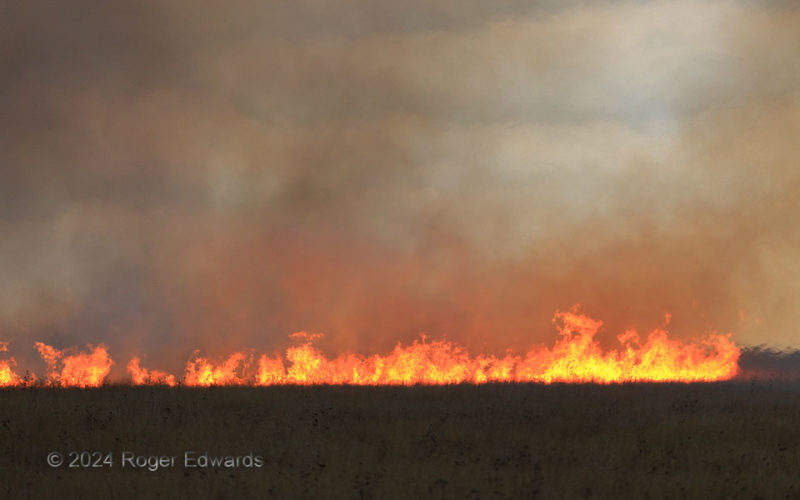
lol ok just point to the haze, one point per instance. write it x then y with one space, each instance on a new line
179 175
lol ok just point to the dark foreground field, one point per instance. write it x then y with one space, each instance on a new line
730 440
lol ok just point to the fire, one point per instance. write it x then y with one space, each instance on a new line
142 376
576 357
76 370
203 372
8 378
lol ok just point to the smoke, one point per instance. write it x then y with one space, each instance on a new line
181 175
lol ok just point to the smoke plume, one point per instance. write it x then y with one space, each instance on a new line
182 175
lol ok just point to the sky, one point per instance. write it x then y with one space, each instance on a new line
179 175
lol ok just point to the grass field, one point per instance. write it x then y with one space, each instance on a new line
724 440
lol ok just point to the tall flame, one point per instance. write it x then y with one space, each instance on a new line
8 378
77 370
576 357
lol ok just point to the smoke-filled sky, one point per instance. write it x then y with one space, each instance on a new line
216 175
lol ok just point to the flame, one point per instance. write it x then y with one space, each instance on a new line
576 357
204 372
8 378
77 370
142 376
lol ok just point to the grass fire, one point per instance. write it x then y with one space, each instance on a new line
576 357
399 249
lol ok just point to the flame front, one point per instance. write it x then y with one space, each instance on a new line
76 370
576 357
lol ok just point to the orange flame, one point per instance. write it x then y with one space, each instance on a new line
203 372
142 376
576 357
77 370
8 378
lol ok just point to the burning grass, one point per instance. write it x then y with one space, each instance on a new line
576 357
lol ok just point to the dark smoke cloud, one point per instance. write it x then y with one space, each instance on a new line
180 175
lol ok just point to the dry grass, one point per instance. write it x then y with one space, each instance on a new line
723 440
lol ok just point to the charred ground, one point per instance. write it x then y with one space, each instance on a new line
733 439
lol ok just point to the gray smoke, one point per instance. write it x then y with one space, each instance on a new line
216 175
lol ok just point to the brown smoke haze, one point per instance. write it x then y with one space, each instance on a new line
179 175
